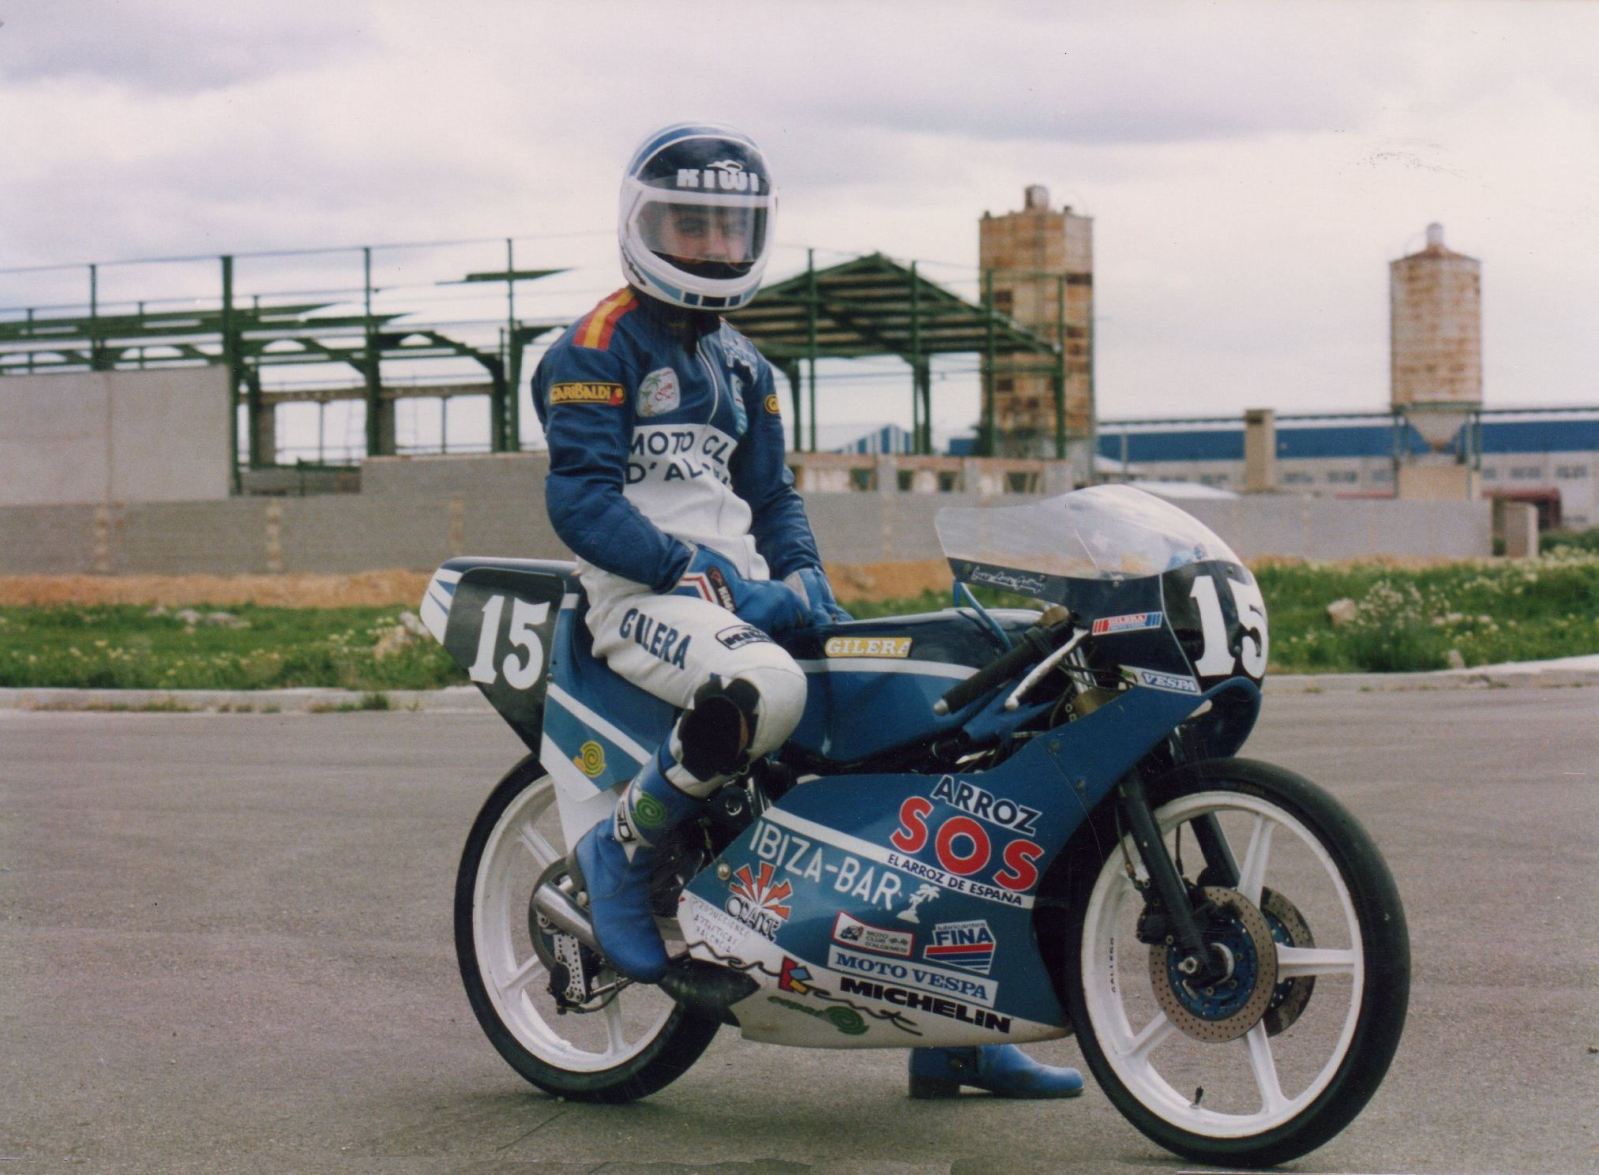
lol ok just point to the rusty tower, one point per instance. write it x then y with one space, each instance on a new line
1038 268
1435 364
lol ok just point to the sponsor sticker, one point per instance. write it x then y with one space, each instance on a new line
648 812
710 585
756 899
590 759
867 646
725 175
858 934
622 826
586 393
913 974
1016 581
1175 683
740 635
659 392
1132 622
924 893
846 1020
985 805
712 925
865 881
918 1001
969 858
795 976
968 945
655 637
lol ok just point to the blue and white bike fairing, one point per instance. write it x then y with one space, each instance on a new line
891 897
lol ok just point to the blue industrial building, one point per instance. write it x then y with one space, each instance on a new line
1548 456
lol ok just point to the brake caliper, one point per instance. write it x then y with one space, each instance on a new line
573 968
1227 1007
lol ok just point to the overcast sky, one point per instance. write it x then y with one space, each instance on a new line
1251 168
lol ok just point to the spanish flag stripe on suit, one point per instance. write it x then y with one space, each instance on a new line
595 330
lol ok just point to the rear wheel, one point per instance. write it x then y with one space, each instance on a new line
618 1047
1274 1060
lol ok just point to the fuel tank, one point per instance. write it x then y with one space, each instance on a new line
872 683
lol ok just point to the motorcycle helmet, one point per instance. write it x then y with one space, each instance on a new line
695 223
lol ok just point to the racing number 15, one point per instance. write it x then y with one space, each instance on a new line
525 619
1218 658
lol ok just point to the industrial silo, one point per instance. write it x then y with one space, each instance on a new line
1435 364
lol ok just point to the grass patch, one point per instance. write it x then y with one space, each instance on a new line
159 706
1407 619
122 646
1487 612
367 701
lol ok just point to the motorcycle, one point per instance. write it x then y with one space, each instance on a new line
990 825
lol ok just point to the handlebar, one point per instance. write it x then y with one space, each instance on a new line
1036 643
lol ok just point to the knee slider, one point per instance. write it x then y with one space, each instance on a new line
717 731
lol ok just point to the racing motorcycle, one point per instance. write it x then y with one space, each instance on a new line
991 825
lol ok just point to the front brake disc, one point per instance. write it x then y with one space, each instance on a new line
1289 929
1230 1007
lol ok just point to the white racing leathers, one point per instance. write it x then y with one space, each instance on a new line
663 432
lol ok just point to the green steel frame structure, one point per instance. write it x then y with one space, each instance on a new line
874 306
869 306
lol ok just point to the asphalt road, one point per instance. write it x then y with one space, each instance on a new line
225 944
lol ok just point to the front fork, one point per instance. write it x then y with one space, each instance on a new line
1169 913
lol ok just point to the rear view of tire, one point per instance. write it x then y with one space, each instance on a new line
1278 1058
631 1044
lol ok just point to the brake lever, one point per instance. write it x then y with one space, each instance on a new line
1038 671
1037 642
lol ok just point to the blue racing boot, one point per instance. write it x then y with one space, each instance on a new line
1001 1069
613 862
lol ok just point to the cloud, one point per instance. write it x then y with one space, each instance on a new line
1251 167
177 46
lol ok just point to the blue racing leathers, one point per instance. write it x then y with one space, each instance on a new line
667 479
664 434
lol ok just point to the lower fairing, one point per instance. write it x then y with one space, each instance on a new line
811 1006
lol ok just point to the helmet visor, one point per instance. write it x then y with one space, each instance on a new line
710 236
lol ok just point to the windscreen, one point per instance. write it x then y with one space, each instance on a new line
1102 532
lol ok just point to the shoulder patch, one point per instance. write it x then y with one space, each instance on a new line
586 393
596 329
772 405
659 393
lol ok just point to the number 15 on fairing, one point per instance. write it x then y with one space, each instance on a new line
1248 649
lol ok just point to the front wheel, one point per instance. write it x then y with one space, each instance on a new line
1279 1056
626 1045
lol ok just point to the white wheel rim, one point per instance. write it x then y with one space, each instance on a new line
516 980
1135 1043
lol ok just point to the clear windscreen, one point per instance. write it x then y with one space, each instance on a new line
1102 532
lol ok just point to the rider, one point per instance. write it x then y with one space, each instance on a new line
667 480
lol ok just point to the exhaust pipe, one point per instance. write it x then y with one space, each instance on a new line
557 907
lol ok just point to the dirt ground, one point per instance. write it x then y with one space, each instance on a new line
865 581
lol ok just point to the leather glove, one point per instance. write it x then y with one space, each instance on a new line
771 607
811 584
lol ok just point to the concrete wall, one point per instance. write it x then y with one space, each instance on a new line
114 436
415 512
1328 528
